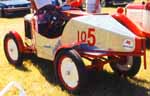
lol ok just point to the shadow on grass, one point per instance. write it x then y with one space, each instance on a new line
22 68
45 67
108 84
101 84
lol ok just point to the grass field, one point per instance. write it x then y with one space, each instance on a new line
37 77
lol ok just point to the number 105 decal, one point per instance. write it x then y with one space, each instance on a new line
87 36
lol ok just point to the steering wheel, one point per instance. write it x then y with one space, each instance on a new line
54 17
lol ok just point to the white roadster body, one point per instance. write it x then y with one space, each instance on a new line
102 31
93 32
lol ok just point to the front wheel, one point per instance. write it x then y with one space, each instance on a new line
126 65
70 70
12 50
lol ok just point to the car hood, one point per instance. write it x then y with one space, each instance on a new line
15 2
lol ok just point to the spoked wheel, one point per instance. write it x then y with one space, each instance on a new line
70 70
12 50
126 65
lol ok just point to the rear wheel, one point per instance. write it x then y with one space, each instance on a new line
12 50
126 65
70 71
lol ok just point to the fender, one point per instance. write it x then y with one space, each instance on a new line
131 26
18 38
66 47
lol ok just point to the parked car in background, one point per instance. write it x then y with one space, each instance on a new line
115 2
13 6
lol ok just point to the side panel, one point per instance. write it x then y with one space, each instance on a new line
46 47
101 31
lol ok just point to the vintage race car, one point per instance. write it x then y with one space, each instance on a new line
72 38
140 14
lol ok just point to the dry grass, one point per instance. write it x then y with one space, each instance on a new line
37 78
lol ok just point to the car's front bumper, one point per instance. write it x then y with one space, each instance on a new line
17 9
